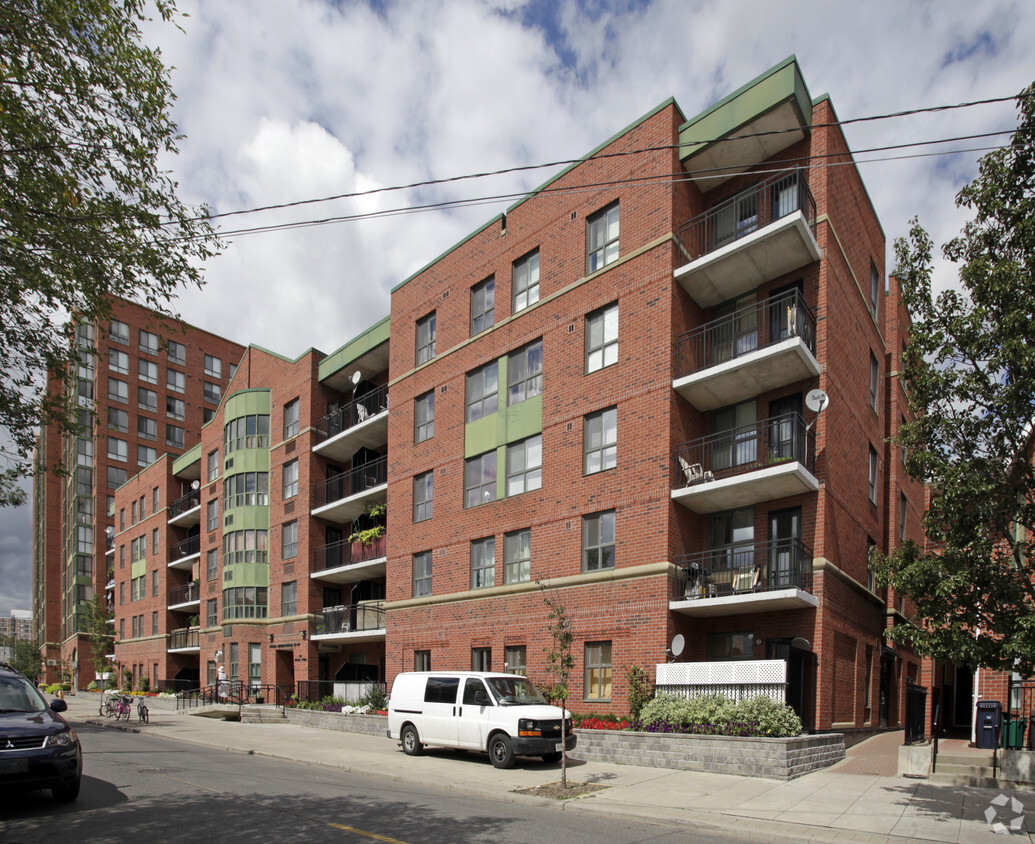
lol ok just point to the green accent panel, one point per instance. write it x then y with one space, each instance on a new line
248 518
481 435
508 425
188 458
779 84
248 460
246 574
137 569
355 348
246 403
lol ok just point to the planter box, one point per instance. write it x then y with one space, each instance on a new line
771 758
369 725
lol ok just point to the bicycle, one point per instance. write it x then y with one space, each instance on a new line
107 708
123 707
143 716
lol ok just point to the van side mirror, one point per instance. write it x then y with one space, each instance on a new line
480 698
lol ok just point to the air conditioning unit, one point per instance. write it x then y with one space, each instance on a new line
52 662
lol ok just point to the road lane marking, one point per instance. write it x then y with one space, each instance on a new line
366 834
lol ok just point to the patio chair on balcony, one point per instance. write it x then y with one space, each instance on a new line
361 413
694 474
747 579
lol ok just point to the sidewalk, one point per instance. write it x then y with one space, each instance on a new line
855 800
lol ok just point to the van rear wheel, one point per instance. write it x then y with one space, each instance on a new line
411 741
501 751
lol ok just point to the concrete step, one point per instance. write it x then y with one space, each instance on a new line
261 714
974 781
981 757
943 767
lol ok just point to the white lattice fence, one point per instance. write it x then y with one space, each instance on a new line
735 680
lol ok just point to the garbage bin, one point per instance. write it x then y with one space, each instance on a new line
1013 732
989 721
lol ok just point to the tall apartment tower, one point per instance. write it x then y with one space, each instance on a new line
152 385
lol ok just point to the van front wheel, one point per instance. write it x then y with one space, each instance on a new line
411 741
501 751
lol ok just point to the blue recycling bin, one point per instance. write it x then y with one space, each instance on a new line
989 723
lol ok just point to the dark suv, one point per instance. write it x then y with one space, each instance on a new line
37 747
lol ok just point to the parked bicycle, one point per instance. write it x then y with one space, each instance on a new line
107 709
143 716
122 708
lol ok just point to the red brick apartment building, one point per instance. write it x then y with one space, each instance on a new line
600 393
148 390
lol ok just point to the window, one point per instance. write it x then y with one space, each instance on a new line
483 563
526 281
133 513
147 399
84 452
525 373
902 448
291 419
602 338
525 465
873 475
148 371
213 366
422 660
147 429
482 391
174 408
122 519
233 370
902 516
212 563
246 432
118 362
176 352
483 300
174 436
289 541
424 417
598 671
211 612
289 598
148 342
602 238
426 338
118 449
207 415
598 541
600 441
155 500
247 489
481 660
146 455
118 332
118 390
212 465
874 288
421 574
517 556
291 479
515 660
211 392
480 479
873 381
725 647
212 514
118 419
422 488
245 546
175 381
154 583
254 664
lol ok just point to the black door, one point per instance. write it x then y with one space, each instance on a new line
785 548
801 679
786 437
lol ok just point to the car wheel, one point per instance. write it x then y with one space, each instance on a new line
550 758
411 741
66 793
501 751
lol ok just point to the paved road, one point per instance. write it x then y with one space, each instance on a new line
142 788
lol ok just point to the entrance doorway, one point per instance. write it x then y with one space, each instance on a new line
801 679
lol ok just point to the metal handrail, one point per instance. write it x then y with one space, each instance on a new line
744 568
356 411
184 637
187 502
350 618
184 594
757 326
313 691
346 553
351 482
188 547
748 211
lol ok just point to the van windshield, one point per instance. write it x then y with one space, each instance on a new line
514 691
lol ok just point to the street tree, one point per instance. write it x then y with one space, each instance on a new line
559 664
86 210
969 367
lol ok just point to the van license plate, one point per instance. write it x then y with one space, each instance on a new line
559 747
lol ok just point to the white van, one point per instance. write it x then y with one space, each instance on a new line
503 714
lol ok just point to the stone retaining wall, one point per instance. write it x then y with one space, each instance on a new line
369 725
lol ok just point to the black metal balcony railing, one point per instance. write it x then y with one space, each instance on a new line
184 637
755 327
190 545
743 569
770 442
349 619
313 691
188 502
109 543
346 553
184 594
358 410
351 482
748 211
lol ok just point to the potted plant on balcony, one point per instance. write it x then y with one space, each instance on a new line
192 621
368 528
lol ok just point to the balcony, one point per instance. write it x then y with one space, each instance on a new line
362 622
184 640
185 597
757 235
744 578
759 348
349 562
342 498
362 423
771 459
184 554
186 511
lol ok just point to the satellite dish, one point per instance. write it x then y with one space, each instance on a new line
801 644
109 531
678 643
356 377
195 485
816 400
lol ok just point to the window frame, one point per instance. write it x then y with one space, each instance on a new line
599 225
598 657
150 348
603 520
483 486
525 281
422 576
289 540
874 381
147 371
602 351
291 418
175 381
423 505
524 378
517 564
424 417
212 366
479 397
607 450
425 345
872 471
289 598
289 479
528 475
483 305
483 562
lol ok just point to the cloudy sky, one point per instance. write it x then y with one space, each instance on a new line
290 100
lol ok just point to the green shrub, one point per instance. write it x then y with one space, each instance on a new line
717 714
145 683
53 688
773 718
66 687
92 687
375 698
641 690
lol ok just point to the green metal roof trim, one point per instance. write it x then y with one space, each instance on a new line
188 457
279 356
763 93
532 193
254 400
354 348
